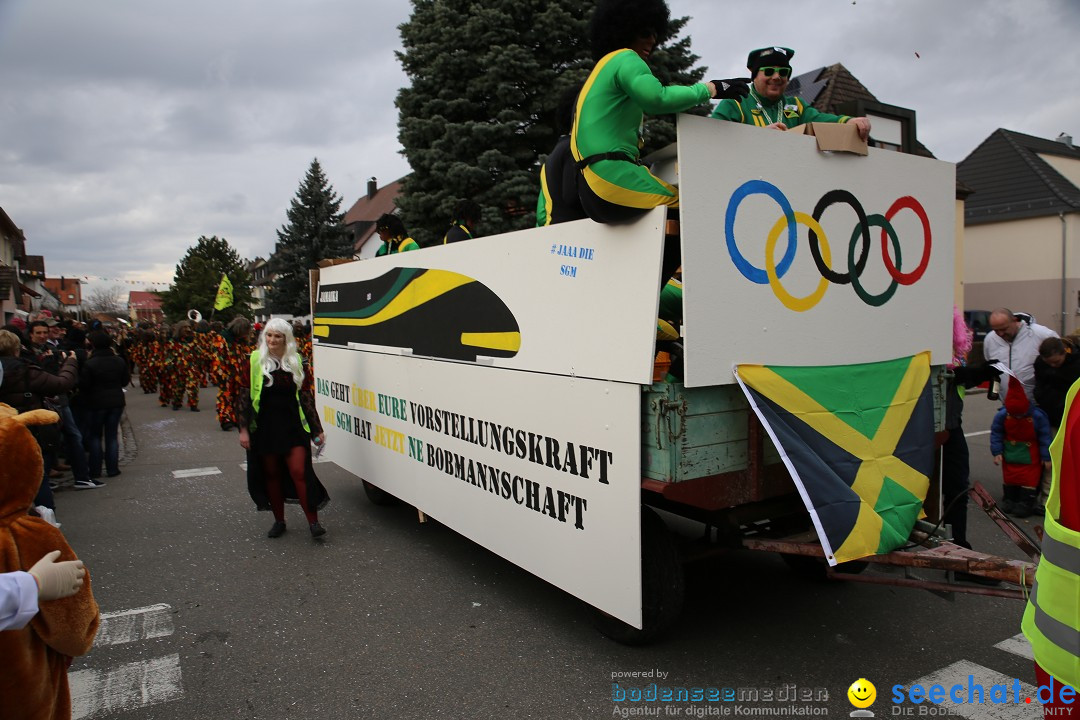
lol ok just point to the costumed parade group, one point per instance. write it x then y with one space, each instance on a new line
264 380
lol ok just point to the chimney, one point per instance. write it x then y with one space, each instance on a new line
1065 140
372 188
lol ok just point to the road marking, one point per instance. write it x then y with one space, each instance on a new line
314 461
195 472
977 432
1017 645
126 687
965 674
128 626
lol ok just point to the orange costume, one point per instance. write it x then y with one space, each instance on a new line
33 682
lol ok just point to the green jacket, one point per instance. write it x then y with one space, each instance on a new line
397 245
793 110
611 105
256 390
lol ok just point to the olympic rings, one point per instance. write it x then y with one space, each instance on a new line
772 273
753 187
789 300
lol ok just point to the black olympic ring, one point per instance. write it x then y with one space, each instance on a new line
831 198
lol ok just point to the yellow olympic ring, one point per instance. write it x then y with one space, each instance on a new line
790 301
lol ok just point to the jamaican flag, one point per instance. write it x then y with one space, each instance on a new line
858 441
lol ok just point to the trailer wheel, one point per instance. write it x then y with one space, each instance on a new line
813 568
662 586
377 495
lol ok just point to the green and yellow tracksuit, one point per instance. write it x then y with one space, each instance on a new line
606 134
397 245
792 110
456 233
558 201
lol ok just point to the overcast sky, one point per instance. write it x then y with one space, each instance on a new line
130 128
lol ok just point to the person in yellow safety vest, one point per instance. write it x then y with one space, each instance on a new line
394 236
1052 617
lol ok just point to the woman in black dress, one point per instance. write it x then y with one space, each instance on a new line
278 423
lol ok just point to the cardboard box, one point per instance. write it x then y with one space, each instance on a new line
837 137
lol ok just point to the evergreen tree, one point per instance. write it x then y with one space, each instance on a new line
197 277
314 232
479 114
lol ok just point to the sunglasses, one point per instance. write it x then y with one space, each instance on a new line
781 71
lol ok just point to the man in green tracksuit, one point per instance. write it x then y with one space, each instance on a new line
767 106
604 141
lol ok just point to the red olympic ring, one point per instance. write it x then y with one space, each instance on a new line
912 277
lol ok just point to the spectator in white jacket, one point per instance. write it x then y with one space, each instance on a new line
1014 341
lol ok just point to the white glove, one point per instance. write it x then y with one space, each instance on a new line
57 580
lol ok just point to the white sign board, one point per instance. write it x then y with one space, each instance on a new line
544 470
793 256
576 299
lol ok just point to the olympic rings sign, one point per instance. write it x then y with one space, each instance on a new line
820 250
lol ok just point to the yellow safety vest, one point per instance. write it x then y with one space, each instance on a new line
1052 617
256 390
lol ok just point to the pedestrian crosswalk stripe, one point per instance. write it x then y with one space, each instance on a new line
196 472
964 673
128 626
126 687
1017 645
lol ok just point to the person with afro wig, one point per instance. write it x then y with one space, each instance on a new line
613 184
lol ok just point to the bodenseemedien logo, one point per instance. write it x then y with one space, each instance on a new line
861 695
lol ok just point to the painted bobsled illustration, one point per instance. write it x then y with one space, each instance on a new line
436 313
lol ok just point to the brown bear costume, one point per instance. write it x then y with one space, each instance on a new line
35 659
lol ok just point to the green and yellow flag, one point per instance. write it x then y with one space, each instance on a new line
224 294
858 441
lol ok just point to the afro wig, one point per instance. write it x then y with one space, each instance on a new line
392 224
615 24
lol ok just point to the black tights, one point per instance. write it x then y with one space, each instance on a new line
296 462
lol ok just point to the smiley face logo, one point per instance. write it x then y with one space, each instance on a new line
862 693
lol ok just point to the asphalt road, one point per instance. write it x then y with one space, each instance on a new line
389 618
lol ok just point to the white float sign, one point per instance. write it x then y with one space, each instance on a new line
779 267
543 470
577 299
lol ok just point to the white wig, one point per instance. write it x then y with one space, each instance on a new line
290 361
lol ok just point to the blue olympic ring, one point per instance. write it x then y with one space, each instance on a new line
752 272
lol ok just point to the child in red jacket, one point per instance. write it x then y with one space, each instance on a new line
1020 442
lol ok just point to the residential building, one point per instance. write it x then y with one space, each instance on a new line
144 306
261 280
12 252
1022 223
69 292
32 278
